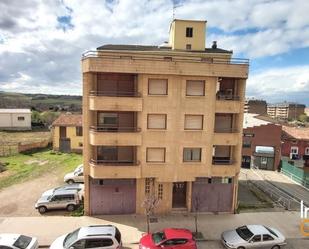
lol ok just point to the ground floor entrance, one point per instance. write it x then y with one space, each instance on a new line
179 199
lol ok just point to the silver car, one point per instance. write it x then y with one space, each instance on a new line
17 241
253 236
79 187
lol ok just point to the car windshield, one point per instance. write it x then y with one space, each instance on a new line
70 238
158 237
271 231
22 242
244 232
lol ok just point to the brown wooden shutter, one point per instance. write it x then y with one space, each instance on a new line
195 88
194 122
155 155
156 121
157 86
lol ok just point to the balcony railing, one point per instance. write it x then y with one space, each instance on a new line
222 161
114 162
226 130
227 97
115 93
114 129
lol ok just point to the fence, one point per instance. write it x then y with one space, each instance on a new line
9 149
32 146
296 174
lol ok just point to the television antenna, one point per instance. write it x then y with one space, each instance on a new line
175 6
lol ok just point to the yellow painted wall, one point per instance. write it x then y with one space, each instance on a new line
71 133
178 39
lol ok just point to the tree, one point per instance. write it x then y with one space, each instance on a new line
196 207
303 118
150 203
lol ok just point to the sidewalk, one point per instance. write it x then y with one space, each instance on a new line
47 228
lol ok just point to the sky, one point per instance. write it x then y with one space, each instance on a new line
41 41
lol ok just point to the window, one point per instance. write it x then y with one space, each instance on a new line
195 88
94 243
256 238
189 32
156 121
294 150
267 237
264 160
155 155
148 185
188 46
20 118
79 131
108 119
307 151
157 87
194 122
246 144
160 191
192 154
226 180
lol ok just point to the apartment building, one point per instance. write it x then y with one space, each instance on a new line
255 106
285 110
163 120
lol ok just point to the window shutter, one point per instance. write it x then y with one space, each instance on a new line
157 86
156 121
194 122
155 155
195 88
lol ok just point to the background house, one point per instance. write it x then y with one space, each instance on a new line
15 119
261 143
68 133
255 106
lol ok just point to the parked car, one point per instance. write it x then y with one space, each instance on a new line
62 199
168 238
17 241
253 236
97 236
79 187
76 176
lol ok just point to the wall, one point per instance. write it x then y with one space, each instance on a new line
71 133
264 135
10 120
288 143
32 146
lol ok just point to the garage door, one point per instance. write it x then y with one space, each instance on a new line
212 197
112 196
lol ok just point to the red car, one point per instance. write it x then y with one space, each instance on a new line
170 238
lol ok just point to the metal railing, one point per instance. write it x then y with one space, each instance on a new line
114 162
115 93
114 129
226 130
227 97
293 177
160 57
218 161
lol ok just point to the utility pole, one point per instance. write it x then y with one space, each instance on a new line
175 6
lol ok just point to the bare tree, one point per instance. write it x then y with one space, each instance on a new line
196 208
150 203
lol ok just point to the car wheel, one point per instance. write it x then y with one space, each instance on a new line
276 247
42 209
70 181
70 207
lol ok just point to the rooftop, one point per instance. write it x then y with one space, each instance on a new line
97 230
297 133
251 120
15 111
158 48
69 120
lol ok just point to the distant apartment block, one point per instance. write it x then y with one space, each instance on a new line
163 120
15 119
285 110
67 133
261 143
255 106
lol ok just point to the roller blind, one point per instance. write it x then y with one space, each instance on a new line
157 86
155 154
195 88
156 121
194 122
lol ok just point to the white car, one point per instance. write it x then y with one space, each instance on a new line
97 236
17 241
75 186
76 176
253 236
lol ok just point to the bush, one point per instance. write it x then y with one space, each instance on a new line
2 167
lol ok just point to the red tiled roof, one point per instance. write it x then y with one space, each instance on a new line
297 133
69 120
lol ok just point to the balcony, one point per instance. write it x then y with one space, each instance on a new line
222 161
224 170
114 169
225 131
223 155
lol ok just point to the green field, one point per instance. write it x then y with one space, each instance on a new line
23 167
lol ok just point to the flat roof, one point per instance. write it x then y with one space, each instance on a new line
15 111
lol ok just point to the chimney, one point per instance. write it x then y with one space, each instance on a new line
214 45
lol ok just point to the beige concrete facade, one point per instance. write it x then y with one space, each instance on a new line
15 119
76 141
180 68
